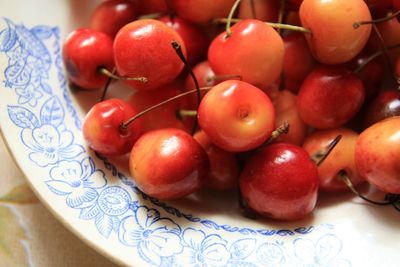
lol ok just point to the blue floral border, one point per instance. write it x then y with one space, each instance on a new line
40 115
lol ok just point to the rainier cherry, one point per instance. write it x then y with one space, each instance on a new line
102 128
378 155
143 48
84 52
236 116
280 182
168 163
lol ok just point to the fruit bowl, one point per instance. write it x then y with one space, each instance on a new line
94 197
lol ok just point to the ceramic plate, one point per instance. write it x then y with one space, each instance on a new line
94 197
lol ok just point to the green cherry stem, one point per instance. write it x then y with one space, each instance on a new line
111 74
375 21
230 18
320 156
282 129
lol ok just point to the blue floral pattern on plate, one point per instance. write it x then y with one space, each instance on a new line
133 217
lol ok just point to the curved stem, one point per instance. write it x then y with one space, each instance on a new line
373 56
273 25
110 74
375 21
186 113
345 178
320 156
229 19
179 52
105 89
125 124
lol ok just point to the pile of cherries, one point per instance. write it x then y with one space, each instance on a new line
285 98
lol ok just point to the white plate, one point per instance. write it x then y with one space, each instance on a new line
95 198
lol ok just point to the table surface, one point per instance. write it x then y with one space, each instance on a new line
29 234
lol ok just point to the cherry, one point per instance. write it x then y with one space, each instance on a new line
280 182
236 116
385 104
377 155
152 6
224 169
84 52
168 163
202 11
253 50
334 39
102 127
379 7
390 32
265 10
329 97
340 159
293 4
143 48
296 50
109 16
194 38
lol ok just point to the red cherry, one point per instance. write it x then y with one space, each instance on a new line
224 169
329 97
265 10
102 127
143 49
202 11
236 116
377 155
280 182
385 104
340 159
254 51
152 6
194 38
168 163
379 7
334 39
84 52
109 16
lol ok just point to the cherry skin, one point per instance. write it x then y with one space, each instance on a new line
329 97
265 10
168 163
84 52
296 50
109 16
224 169
236 116
143 49
102 127
333 39
195 40
151 6
385 104
340 159
254 50
280 182
378 153
379 7
390 32
202 11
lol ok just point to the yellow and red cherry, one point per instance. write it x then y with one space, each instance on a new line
377 155
111 15
143 48
280 182
329 97
340 159
224 169
168 164
253 50
194 38
202 11
84 52
333 39
103 130
236 116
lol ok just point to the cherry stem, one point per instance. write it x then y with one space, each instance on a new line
282 129
230 18
186 113
105 89
273 25
216 78
320 156
152 16
373 56
387 55
110 74
125 124
375 21
178 50
253 9
345 178
282 7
